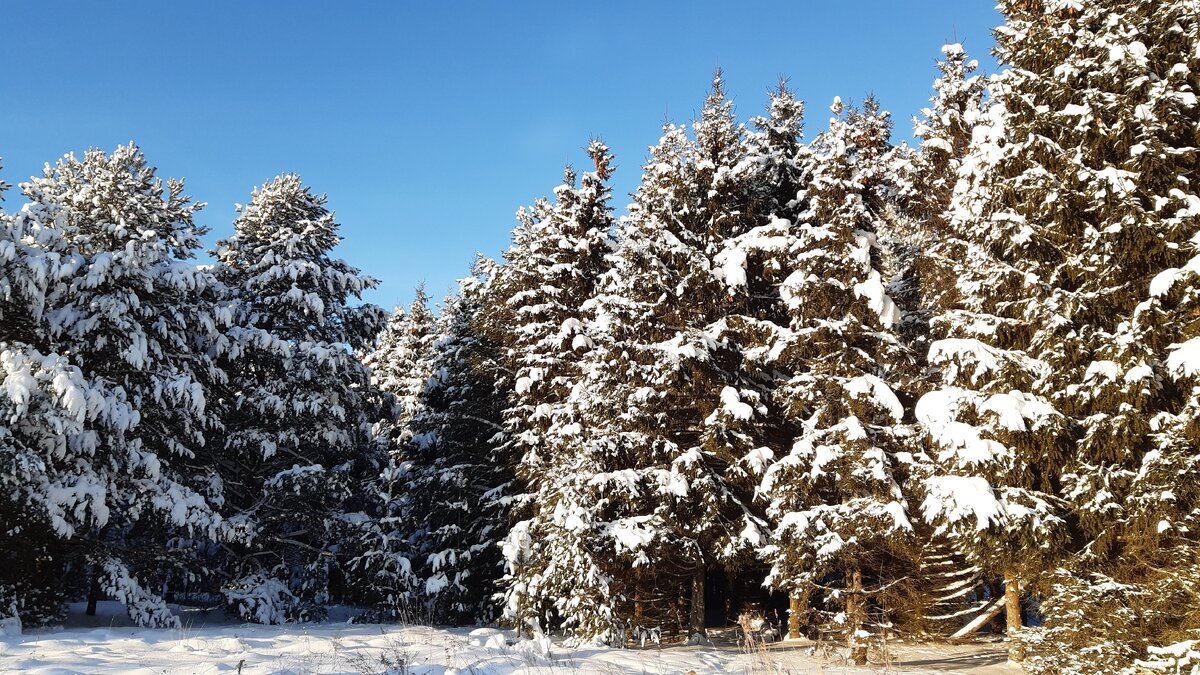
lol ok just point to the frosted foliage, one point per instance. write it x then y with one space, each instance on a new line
299 431
107 360
955 498
146 609
260 599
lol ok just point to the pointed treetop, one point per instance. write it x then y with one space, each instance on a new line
420 295
601 158
784 122
718 89
717 131
565 194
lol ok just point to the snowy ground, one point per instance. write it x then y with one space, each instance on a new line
206 644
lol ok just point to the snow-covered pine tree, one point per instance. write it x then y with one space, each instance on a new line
298 449
665 402
841 521
557 576
39 409
109 376
454 481
1090 194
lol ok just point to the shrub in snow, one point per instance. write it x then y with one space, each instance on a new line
260 599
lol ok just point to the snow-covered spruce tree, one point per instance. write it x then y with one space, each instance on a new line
1077 189
108 379
1090 193
298 451
928 178
755 263
666 404
995 444
559 566
841 521
453 480
951 588
400 364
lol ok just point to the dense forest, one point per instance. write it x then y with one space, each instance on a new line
871 388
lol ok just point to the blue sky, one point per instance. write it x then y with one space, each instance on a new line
430 123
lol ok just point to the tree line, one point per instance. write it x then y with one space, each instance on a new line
887 389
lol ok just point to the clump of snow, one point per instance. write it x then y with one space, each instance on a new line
875 389
877 299
1184 359
10 626
956 498
731 400
1180 657
496 642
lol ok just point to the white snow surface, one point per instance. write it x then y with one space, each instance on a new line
208 644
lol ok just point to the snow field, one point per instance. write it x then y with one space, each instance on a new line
206 644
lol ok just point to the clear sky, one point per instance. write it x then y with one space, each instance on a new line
429 123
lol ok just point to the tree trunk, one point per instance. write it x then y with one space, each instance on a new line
797 614
93 595
639 609
856 617
1012 614
696 619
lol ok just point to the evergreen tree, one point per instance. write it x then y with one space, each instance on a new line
108 377
1097 180
298 409
453 483
399 362
841 520
401 365
944 129
40 404
1059 356
552 553
951 587
665 402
